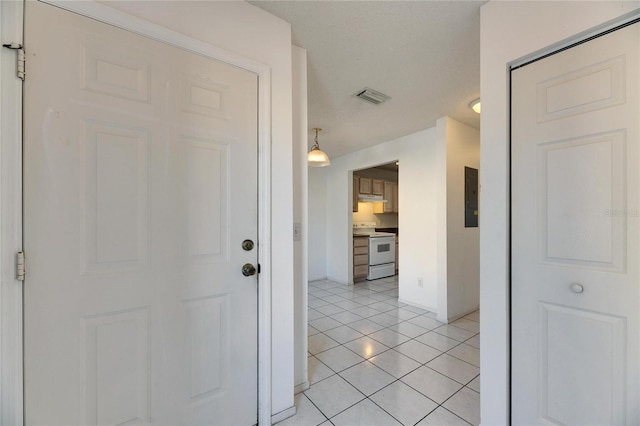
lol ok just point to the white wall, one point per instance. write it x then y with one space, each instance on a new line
417 217
463 244
300 216
509 31
317 219
253 33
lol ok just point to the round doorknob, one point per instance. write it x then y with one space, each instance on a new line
576 288
248 270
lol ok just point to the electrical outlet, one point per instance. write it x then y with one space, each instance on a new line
420 283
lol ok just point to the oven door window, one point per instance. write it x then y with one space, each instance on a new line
383 248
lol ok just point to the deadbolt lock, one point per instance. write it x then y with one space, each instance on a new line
247 245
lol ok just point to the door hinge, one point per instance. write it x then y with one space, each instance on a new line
20 266
20 58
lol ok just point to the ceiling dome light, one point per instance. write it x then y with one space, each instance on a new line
316 157
475 105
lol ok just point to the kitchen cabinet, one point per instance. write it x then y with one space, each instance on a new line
365 185
360 258
377 187
394 197
388 195
356 191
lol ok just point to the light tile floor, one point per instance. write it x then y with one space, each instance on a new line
376 361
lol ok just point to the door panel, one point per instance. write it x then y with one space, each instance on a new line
575 235
140 186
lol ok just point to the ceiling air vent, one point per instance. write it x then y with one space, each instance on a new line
372 96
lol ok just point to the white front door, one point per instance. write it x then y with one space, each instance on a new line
140 185
575 235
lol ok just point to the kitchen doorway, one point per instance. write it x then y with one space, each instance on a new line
375 222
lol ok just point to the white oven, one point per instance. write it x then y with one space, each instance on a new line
382 255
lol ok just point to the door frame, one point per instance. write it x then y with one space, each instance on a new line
574 41
11 351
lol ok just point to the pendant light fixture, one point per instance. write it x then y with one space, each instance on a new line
475 105
316 157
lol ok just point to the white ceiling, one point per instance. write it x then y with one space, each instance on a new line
425 55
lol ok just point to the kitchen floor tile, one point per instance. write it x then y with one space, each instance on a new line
425 322
437 341
394 363
381 306
401 313
403 403
364 300
334 298
460 371
442 417
317 303
317 371
380 297
343 334
408 329
472 326
389 337
307 414
367 378
346 317
385 320
474 341
466 353
319 293
418 351
365 311
320 343
312 314
329 309
311 331
366 347
465 404
365 326
432 384
333 395
415 367
365 413
339 358
347 304
324 323
474 384
454 332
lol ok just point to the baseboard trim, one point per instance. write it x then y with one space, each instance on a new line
301 387
339 281
283 415
457 317
417 305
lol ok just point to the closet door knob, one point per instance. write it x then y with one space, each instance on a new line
576 288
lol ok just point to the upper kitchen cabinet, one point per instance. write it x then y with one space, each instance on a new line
365 185
394 197
388 207
377 187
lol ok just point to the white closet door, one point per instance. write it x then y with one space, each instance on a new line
575 257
